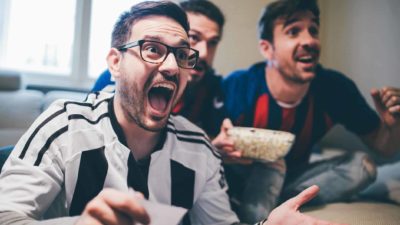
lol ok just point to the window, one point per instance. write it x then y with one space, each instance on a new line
36 39
53 40
104 16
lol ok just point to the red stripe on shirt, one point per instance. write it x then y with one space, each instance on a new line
261 112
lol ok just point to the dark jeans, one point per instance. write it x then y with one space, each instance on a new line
256 189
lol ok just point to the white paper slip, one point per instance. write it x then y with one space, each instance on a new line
161 214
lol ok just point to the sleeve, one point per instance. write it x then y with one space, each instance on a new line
212 206
345 103
102 81
32 176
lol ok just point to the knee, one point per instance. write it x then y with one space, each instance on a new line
253 213
366 163
369 166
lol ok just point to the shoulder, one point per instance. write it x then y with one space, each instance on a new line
189 135
330 78
250 74
62 124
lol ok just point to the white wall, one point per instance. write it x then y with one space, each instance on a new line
239 46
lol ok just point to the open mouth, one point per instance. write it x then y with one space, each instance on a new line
160 97
306 59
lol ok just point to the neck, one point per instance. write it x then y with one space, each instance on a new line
283 89
141 142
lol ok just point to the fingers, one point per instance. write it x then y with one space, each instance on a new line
126 204
226 124
302 198
222 141
98 212
387 98
114 207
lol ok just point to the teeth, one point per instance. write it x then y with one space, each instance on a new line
164 85
306 58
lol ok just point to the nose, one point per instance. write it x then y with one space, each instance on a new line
202 48
169 66
310 40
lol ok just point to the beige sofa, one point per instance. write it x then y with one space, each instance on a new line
20 106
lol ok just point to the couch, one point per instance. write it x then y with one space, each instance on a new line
20 107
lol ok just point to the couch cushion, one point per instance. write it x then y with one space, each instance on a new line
17 112
9 81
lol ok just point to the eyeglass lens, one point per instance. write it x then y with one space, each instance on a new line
156 52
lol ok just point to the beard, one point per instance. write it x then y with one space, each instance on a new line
133 102
201 67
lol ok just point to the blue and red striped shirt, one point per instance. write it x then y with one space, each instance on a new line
331 99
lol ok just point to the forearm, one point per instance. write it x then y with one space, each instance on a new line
384 140
14 218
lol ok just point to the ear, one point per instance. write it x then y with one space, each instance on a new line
266 49
114 58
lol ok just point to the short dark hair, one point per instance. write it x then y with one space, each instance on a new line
206 8
285 9
122 28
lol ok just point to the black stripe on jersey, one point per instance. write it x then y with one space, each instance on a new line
194 140
182 187
51 117
137 178
48 143
79 116
93 169
28 142
186 132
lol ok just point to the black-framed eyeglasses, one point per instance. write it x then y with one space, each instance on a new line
156 52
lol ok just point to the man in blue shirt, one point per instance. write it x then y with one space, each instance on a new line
292 92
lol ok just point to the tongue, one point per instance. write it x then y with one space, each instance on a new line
158 101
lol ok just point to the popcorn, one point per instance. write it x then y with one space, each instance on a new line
261 144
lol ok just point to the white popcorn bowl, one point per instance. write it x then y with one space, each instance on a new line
261 144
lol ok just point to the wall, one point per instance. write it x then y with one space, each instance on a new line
239 46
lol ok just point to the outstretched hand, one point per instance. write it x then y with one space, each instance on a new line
226 146
288 213
113 207
387 104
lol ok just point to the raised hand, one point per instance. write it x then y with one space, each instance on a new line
288 213
114 207
387 104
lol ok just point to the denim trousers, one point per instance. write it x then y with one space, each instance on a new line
256 189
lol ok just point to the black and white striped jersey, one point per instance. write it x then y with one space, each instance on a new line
75 149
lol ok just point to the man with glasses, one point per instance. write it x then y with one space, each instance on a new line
292 92
203 89
81 158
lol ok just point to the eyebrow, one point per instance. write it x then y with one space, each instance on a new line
158 38
295 19
217 37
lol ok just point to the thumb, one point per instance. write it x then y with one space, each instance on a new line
376 96
226 124
303 197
